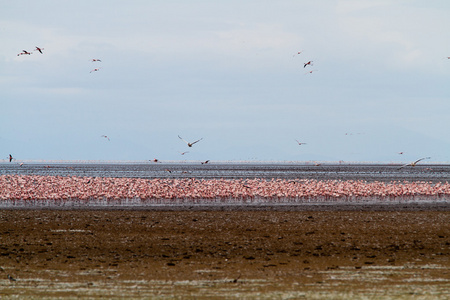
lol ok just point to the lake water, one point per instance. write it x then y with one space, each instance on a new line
368 172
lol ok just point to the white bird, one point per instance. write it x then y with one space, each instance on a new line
413 164
190 144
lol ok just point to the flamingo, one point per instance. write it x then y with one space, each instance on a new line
190 144
310 72
106 137
39 49
308 63
95 59
300 143
183 153
400 153
298 53
205 162
10 158
413 164
155 160
95 70
24 52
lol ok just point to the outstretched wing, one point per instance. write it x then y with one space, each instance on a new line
196 141
183 140
421 159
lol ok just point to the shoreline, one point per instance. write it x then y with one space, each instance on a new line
312 206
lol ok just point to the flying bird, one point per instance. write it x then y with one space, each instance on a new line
39 49
413 164
309 63
205 162
95 70
190 144
183 153
300 143
95 59
106 137
24 52
310 72
10 158
298 53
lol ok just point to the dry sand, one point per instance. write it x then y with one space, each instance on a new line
264 254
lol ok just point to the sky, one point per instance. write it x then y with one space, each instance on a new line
228 72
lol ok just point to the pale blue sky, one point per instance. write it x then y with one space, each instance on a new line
225 71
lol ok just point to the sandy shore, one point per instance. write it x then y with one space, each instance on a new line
266 253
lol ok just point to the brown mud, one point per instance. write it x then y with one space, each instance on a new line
271 254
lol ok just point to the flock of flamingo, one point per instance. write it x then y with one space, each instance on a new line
25 187
191 190
40 50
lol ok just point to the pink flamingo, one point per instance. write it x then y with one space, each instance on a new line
95 70
24 52
300 143
309 63
39 49
298 53
95 59
106 137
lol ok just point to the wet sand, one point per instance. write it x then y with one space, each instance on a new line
315 252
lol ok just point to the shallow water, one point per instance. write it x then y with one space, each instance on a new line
368 172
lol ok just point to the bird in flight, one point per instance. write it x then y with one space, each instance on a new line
39 49
183 153
205 162
10 158
309 63
106 137
298 53
190 144
95 70
95 59
300 143
310 72
414 163
24 52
